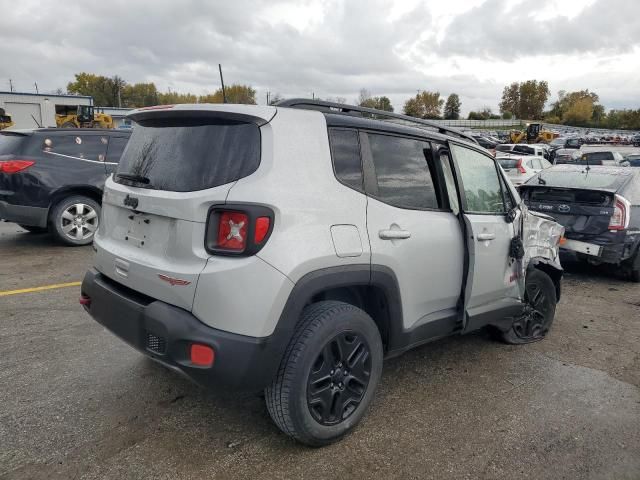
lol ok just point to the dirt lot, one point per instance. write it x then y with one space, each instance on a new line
78 403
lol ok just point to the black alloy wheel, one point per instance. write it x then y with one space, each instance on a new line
339 378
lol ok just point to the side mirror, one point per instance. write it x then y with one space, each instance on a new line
511 215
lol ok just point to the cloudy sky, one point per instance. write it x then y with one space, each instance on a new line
331 48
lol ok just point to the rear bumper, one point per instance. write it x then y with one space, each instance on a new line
610 247
24 215
164 333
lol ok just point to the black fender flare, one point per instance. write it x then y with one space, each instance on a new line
317 281
552 269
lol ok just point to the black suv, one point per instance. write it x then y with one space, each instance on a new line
51 179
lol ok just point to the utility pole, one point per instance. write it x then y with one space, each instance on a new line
268 98
10 85
36 84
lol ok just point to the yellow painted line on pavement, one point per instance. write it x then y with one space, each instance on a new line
39 289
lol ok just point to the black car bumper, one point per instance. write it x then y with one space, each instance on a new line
165 333
615 247
24 215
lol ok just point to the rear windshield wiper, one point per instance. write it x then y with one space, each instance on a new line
133 178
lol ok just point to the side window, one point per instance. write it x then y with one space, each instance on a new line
116 147
345 153
87 147
402 172
482 190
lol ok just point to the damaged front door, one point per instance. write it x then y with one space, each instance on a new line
492 286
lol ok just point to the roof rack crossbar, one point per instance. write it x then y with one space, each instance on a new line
332 107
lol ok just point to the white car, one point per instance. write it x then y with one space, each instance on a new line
533 150
520 168
291 248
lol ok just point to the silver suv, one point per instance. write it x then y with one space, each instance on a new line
292 248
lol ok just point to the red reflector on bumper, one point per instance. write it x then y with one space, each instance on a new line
84 300
201 355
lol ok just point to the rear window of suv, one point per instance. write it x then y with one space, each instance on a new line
11 144
182 155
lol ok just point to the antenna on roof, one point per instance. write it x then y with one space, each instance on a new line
224 93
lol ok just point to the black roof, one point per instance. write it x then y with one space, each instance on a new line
380 118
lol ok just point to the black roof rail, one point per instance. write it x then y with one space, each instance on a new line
340 108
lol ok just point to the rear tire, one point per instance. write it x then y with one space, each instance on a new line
74 220
34 230
539 310
634 268
328 375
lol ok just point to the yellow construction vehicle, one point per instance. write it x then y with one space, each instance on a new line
5 120
533 134
82 116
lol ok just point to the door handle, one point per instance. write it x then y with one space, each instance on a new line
486 236
394 234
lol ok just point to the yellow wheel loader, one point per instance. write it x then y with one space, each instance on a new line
5 120
533 134
84 116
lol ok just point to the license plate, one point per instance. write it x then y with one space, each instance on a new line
582 247
137 232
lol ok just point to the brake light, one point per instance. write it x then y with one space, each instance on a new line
232 231
262 228
621 214
201 355
14 166
520 167
157 107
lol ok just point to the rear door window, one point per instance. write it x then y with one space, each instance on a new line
183 155
115 149
402 173
85 147
345 153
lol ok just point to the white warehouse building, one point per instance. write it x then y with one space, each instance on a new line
30 110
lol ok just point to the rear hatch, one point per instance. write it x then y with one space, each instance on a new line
178 163
582 200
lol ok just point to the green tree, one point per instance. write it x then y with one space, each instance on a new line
379 103
452 107
235 93
579 113
526 99
104 90
424 105
140 95
174 98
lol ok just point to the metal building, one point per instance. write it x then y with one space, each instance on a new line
30 110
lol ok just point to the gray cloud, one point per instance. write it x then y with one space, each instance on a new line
352 44
492 30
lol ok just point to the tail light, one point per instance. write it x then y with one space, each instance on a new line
621 214
14 166
238 229
521 169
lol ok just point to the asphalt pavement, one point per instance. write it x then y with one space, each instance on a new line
77 403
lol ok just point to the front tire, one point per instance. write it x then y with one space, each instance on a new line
539 310
328 375
74 220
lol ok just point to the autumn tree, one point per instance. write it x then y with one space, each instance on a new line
140 95
526 100
424 105
174 98
379 103
452 107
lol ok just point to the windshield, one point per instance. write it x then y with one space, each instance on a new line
184 155
508 163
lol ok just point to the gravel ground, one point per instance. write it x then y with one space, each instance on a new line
79 403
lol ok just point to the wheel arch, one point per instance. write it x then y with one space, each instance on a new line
374 289
554 271
85 190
